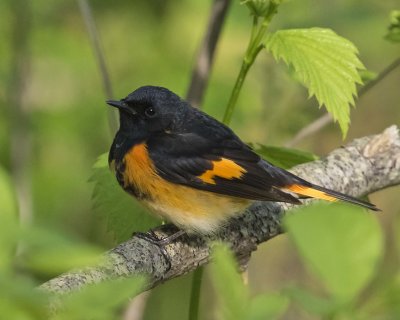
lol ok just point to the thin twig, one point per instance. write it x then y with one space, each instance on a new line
99 54
325 119
310 129
19 118
137 306
205 56
379 77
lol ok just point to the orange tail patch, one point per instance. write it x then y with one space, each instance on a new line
310 192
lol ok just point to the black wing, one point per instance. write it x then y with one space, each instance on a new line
221 164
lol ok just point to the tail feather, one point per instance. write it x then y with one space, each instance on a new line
314 191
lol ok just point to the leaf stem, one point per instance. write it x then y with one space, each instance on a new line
254 29
195 293
254 47
235 93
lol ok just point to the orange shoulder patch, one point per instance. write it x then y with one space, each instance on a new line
139 169
223 168
139 156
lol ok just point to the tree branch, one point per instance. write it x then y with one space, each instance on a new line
363 166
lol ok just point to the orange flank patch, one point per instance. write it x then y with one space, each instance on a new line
223 168
310 192
186 207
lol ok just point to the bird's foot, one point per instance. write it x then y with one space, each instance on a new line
161 243
153 238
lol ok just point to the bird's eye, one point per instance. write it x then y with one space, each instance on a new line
150 112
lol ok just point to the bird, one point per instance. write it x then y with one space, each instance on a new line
192 170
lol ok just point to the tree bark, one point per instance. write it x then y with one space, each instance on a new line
363 166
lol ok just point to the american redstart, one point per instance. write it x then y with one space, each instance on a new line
193 170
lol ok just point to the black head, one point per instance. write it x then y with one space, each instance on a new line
149 110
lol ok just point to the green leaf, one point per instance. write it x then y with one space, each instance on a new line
100 301
341 244
312 303
393 34
121 211
20 299
395 226
231 293
267 306
384 302
284 157
325 63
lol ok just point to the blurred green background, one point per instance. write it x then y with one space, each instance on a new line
53 119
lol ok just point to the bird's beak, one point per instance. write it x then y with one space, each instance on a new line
120 105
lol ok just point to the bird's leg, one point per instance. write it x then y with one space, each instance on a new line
152 237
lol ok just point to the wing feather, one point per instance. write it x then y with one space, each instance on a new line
225 166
